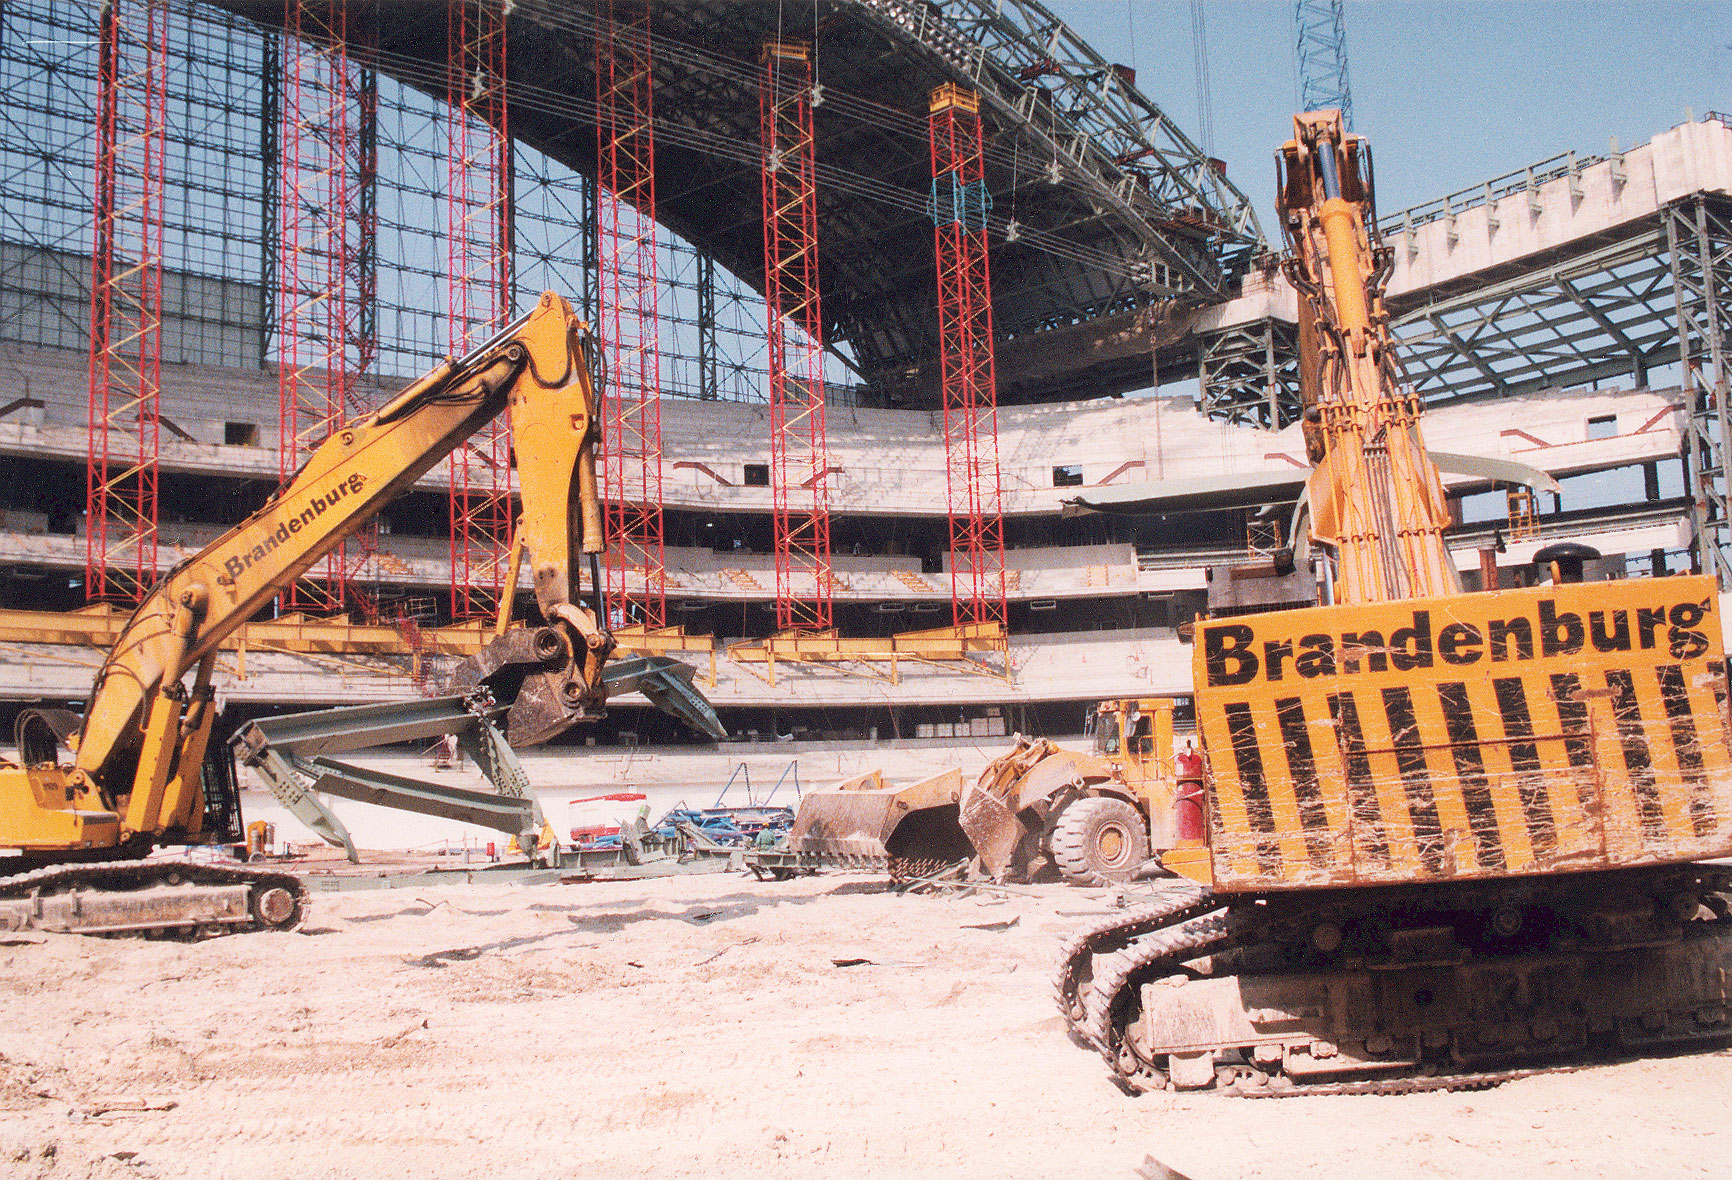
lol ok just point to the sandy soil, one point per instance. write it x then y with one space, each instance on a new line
698 1027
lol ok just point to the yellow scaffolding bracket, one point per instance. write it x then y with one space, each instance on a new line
948 648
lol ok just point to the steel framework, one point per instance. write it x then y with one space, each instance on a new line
799 450
1249 374
628 298
320 339
1320 37
478 286
126 301
1094 129
959 206
364 344
1604 313
1699 243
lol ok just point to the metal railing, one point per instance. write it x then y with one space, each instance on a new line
1523 180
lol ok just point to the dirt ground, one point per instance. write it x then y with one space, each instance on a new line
697 1026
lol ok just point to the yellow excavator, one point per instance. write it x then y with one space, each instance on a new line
141 773
1452 837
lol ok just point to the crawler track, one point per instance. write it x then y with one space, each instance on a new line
1076 959
152 898
1401 990
1116 981
1412 1085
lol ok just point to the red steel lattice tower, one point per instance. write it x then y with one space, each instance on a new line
478 246
959 207
317 305
124 415
799 455
627 288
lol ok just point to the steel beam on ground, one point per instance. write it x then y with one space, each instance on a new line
342 731
502 813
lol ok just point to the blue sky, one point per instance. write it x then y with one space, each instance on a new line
1450 94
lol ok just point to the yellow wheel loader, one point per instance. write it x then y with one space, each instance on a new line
1094 818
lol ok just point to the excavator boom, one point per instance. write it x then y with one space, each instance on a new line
140 777
538 366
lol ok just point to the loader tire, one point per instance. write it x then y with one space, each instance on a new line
1099 840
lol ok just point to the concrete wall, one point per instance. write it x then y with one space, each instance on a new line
891 461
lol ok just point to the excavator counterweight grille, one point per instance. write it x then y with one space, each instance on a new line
1554 729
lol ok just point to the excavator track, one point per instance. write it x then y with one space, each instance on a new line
152 899
1386 1086
1077 957
1118 978
1278 997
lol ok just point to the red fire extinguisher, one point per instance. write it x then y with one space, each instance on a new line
1188 802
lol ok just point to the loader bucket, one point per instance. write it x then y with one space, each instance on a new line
864 820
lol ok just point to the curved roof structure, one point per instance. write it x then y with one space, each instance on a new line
1100 204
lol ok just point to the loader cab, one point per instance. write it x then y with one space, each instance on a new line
1104 725
1138 733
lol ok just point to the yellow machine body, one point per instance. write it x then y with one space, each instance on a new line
1544 730
1450 834
1135 735
43 810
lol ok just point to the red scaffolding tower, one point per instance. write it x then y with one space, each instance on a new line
628 310
799 454
319 344
959 207
126 301
478 244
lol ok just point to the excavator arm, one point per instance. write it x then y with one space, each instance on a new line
1376 496
145 726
